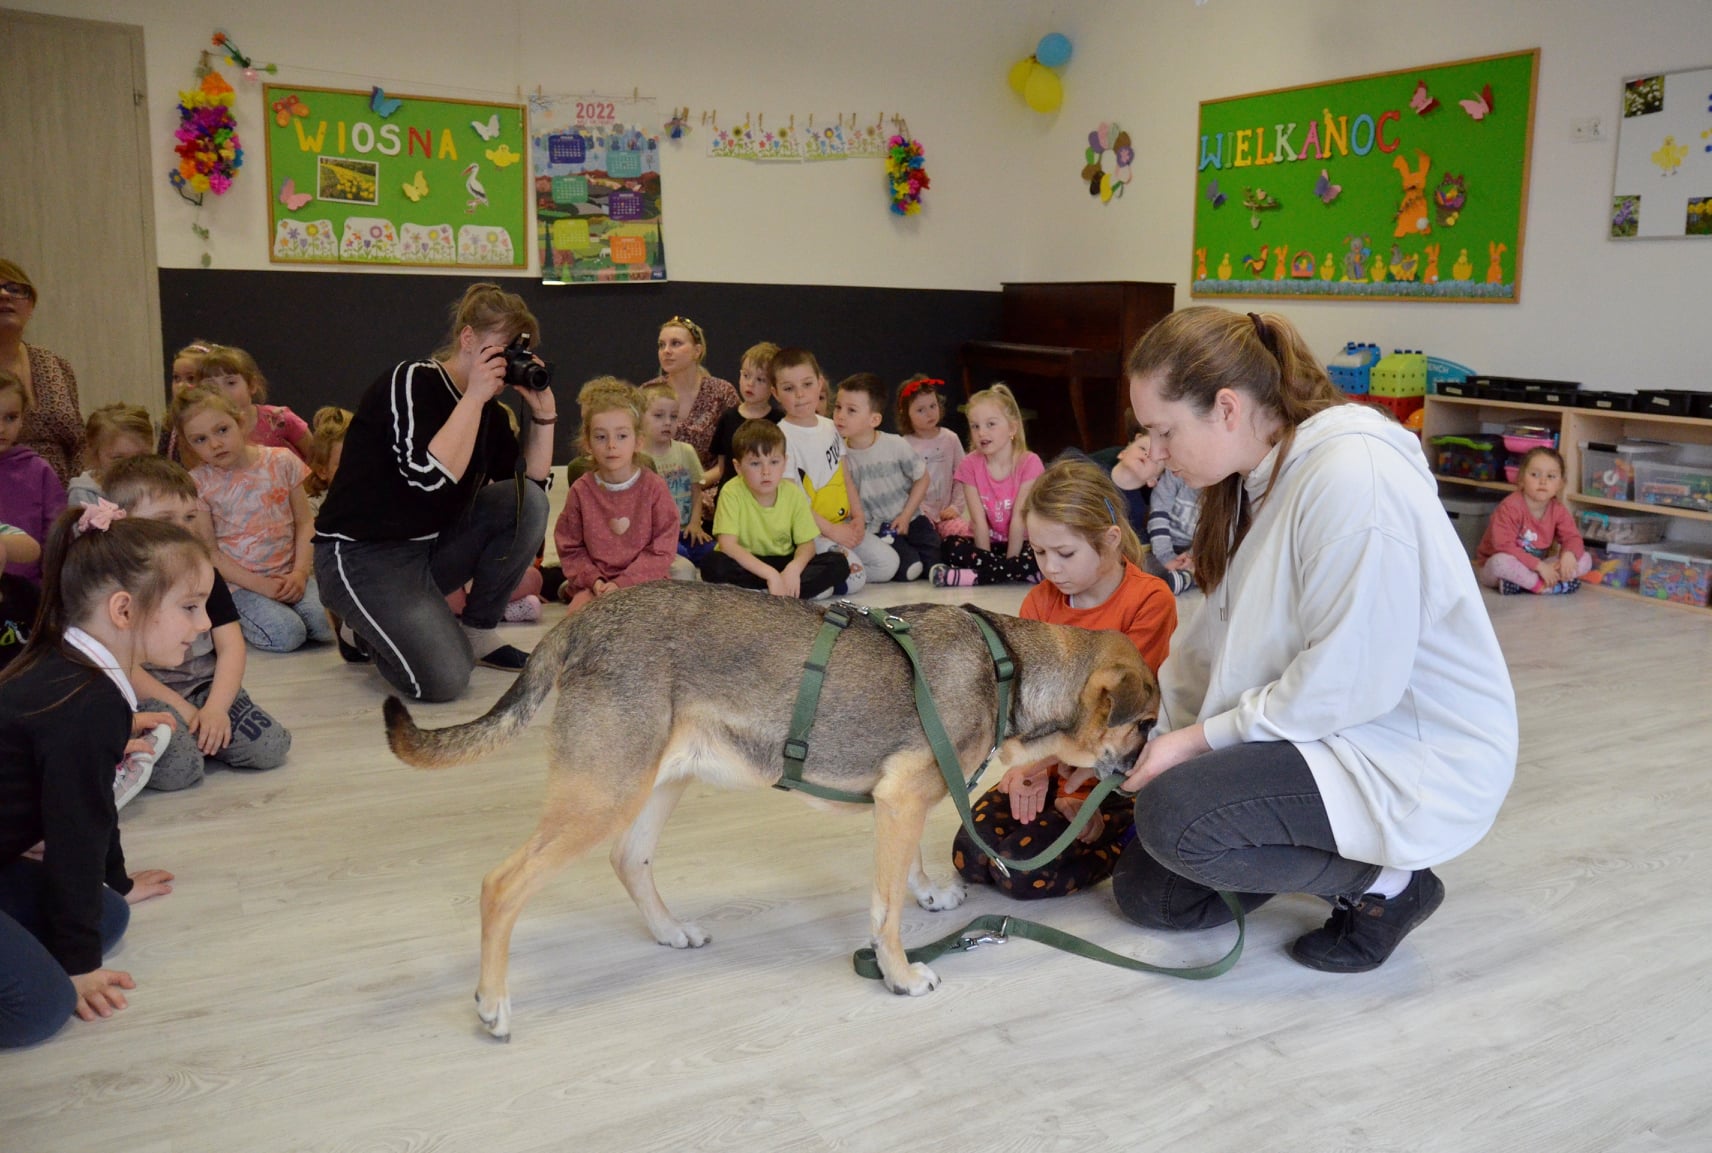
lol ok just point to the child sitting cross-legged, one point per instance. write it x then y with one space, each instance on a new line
1531 544
814 457
679 466
764 530
995 478
1172 515
619 526
218 724
891 482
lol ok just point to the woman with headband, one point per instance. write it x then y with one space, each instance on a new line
702 397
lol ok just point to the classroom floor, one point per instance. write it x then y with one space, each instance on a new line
308 986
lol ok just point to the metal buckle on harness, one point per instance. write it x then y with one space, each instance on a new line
976 940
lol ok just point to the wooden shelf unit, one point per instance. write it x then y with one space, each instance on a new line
1455 415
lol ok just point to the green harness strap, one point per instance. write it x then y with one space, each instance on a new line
990 928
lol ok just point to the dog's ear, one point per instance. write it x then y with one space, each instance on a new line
1120 695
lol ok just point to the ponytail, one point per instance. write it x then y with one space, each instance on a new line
1000 396
1198 352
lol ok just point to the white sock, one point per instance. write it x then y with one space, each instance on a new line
482 641
1390 882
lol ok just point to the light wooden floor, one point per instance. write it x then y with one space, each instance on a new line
308 987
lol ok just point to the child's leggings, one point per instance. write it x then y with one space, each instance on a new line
992 566
36 996
1081 865
826 570
258 742
1501 566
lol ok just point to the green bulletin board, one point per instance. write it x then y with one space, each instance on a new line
1407 185
371 178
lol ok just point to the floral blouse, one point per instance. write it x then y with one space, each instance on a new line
696 427
54 425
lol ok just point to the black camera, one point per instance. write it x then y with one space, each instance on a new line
522 370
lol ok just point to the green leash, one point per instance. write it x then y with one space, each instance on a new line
991 928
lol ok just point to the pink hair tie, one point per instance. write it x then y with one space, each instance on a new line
99 516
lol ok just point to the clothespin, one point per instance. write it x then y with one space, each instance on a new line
635 95
761 121
792 129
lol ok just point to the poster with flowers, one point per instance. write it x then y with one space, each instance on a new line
374 177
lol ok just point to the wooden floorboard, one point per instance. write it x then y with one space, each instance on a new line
308 986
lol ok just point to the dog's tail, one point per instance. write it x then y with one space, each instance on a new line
510 715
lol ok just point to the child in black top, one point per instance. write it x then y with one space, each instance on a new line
115 592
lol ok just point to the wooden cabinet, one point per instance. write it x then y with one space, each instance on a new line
1452 415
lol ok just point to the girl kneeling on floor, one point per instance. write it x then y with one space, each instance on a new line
116 591
1091 561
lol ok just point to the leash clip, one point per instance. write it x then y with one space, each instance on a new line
976 940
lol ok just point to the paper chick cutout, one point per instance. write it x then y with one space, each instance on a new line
503 156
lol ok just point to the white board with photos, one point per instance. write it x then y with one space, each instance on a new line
1663 185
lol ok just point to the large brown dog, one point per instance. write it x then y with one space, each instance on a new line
666 683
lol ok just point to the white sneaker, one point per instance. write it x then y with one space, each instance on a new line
134 771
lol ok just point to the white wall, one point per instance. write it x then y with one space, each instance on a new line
938 63
1617 315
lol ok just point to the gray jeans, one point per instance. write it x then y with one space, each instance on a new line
1247 819
393 593
258 742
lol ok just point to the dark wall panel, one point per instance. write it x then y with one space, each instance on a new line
321 338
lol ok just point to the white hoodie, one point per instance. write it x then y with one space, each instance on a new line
1349 623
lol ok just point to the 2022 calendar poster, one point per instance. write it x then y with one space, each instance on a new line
597 189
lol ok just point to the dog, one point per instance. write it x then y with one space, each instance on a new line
662 684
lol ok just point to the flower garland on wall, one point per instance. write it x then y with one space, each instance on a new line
206 140
907 175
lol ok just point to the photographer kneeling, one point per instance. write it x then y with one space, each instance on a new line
429 496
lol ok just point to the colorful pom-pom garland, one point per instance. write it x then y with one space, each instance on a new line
906 174
209 151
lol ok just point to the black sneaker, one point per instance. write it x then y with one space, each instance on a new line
352 647
1363 932
506 658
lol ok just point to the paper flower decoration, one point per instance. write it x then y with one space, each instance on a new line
1108 157
209 152
905 172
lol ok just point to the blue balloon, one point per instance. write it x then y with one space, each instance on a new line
1053 50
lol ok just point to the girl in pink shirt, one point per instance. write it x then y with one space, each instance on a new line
620 524
234 372
994 480
1517 553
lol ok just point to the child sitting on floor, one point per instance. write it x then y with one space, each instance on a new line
1173 512
113 432
755 387
1088 558
890 480
678 466
814 457
218 724
764 530
1531 543
995 478
921 410
31 496
619 526
234 373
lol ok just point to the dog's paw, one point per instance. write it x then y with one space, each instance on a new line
495 1016
687 935
918 979
938 898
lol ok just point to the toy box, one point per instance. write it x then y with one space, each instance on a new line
1678 572
1617 565
1468 457
1350 369
1608 470
1677 485
1597 524
1403 373
1469 515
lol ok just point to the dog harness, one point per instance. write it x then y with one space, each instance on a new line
990 929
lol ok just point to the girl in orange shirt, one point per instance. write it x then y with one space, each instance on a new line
1091 561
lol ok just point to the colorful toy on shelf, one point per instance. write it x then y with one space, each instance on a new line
1617 565
1351 369
1399 383
1683 574
1468 457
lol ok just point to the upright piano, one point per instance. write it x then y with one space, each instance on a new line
1077 333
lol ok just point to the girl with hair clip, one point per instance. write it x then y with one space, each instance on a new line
435 491
1336 720
702 397
117 591
995 478
921 413
1090 562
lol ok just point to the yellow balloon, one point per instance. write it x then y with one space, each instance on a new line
1044 92
1020 72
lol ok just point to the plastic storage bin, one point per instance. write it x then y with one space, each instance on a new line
1469 515
1468 457
1617 565
1677 572
1608 470
1676 485
1620 527
1523 438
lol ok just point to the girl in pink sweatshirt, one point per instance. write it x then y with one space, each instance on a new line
1531 545
620 524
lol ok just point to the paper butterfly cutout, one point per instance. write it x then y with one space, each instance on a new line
383 105
291 198
503 156
487 129
284 110
1422 102
1325 189
417 188
1481 106
1218 198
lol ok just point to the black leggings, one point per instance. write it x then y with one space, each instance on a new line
992 566
1248 819
821 574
